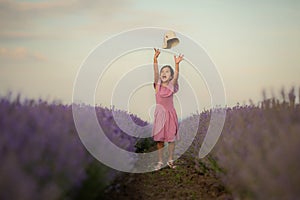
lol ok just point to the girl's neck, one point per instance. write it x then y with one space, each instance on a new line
165 83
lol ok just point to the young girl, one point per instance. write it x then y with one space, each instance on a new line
165 126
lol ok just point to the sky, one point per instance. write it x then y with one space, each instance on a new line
254 45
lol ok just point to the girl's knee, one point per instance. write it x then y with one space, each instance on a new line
160 144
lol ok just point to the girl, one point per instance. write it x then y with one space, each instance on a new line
165 126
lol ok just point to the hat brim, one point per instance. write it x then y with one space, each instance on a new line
171 43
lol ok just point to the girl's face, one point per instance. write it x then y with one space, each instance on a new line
165 74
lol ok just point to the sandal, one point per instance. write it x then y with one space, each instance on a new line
170 163
159 165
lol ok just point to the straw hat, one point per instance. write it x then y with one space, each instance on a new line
170 40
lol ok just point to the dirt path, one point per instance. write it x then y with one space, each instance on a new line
184 182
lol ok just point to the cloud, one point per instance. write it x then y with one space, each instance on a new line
21 53
26 35
35 11
73 19
43 7
33 20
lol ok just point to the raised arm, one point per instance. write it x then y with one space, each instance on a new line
155 65
176 73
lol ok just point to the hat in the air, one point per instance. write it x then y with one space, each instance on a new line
170 40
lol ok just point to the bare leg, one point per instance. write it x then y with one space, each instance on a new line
171 148
160 146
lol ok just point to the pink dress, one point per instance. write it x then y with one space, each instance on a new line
165 126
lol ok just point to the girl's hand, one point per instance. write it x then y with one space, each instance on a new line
157 52
178 59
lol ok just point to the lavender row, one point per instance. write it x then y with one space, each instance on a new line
41 154
257 153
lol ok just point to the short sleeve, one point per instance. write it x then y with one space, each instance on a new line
176 88
154 84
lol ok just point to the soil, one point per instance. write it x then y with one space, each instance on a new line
183 182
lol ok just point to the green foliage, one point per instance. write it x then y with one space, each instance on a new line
144 145
208 165
95 183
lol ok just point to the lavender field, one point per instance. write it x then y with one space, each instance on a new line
42 156
257 155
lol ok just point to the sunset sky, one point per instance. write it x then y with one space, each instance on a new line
255 45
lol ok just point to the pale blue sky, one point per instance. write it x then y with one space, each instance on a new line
255 45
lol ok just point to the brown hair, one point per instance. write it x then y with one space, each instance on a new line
171 70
